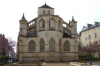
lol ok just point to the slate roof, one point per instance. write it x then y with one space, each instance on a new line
90 27
45 6
32 34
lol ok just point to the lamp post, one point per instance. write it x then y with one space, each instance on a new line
98 52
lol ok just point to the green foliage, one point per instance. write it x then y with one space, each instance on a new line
6 58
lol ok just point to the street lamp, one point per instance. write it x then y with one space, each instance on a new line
98 51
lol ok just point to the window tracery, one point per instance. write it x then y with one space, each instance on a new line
32 46
66 46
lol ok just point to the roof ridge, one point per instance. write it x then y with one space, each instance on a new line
45 6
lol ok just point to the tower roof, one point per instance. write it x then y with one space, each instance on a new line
73 18
23 17
45 6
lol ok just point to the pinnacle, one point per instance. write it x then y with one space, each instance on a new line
73 18
23 18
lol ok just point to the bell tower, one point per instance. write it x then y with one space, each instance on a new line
45 10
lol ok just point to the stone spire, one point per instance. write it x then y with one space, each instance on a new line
23 18
73 18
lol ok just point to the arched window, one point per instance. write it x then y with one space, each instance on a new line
51 23
42 45
44 12
32 46
49 12
66 46
52 45
42 23
60 47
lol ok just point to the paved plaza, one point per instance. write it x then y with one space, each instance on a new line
59 64
67 64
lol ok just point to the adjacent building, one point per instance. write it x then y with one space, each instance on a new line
89 34
44 38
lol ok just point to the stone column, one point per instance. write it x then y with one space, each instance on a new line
46 25
57 28
46 43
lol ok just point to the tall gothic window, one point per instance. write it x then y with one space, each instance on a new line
60 47
42 45
43 24
52 45
32 46
66 46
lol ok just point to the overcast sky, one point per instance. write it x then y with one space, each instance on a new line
11 11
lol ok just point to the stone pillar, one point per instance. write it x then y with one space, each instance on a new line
57 47
37 48
57 28
46 43
46 25
37 26
46 47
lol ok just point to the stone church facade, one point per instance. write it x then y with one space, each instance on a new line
46 39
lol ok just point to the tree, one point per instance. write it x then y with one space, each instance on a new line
6 46
91 48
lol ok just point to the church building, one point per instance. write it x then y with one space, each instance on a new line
44 38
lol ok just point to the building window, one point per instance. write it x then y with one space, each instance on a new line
66 46
52 45
32 46
43 24
42 45
82 34
99 27
86 38
95 35
89 36
60 47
